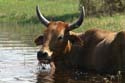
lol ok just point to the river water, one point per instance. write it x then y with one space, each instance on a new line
18 64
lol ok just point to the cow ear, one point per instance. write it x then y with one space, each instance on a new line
39 40
75 40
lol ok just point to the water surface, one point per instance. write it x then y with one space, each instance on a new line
18 62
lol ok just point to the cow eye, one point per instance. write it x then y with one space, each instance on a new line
60 37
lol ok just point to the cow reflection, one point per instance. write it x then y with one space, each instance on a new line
52 76
45 74
76 76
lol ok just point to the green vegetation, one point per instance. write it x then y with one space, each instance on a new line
19 16
103 7
23 11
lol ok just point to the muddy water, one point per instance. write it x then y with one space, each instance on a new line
18 64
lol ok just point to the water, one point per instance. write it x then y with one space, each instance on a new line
17 60
18 64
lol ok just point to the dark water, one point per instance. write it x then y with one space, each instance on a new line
18 64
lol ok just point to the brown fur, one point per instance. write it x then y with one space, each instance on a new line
95 49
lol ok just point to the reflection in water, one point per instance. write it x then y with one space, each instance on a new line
45 77
18 64
17 61
46 73
76 77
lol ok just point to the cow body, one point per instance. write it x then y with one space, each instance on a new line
93 50
103 51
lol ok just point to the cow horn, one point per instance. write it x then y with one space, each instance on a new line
41 17
79 21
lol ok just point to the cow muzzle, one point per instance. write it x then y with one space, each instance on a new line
43 57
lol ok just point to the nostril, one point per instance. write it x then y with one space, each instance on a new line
41 54
45 54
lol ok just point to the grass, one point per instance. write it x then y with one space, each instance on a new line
23 11
114 23
19 16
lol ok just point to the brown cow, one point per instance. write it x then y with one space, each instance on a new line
95 49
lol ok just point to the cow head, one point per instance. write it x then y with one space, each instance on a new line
56 36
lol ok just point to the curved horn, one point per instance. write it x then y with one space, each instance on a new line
79 21
41 17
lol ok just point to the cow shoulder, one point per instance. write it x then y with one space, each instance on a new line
118 49
75 38
95 34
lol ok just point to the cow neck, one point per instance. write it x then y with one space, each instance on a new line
64 48
60 56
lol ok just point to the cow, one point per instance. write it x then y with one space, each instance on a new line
97 50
